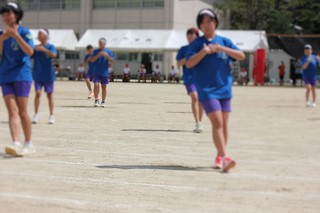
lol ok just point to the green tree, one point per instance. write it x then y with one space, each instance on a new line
273 16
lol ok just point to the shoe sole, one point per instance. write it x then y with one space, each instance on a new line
231 165
12 152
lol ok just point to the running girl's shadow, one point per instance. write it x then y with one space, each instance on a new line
5 156
154 130
157 167
81 107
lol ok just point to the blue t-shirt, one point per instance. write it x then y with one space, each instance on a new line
311 71
212 75
101 65
90 64
15 65
42 67
187 73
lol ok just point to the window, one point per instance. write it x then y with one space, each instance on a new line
72 55
104 4
29 4
152 3
50 4
157 57
134 57
122 57
129 4
71 4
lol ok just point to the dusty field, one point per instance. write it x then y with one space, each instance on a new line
140 155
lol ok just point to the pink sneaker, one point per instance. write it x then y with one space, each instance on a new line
218 162
90 95
228 164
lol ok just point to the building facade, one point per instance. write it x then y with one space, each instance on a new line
81 15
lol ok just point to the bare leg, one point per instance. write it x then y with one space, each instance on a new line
51 103
96 90
216 119
226 116
37 101
89 85
25 118
195 106
314 94
308 88
104 91
14 119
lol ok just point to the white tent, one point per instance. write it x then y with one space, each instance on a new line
62 39
166 40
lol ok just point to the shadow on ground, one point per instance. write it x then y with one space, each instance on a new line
153 130
156 167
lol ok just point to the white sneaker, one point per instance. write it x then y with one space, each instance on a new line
103 104
308 104
28 149
35 119
52 119
198 128
96 103
14 150
313 105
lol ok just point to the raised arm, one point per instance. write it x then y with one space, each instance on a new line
195 59
46 51
13 32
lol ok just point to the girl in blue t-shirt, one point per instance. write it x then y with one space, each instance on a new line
16 47
192 34
310 63
44 74
210 56
89 64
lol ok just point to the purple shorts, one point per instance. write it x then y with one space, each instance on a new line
48 86
213 105
19 89
191 88
89 77
101 80
311 81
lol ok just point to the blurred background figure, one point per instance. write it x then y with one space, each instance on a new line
126 73
282 71
81 71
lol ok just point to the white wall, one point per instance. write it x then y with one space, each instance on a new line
274 59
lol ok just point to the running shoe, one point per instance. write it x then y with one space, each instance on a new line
227 164
28 149
14 150
218 162
35 119
308 104
96 103
199 128
52 120
103 104
313 105
91 95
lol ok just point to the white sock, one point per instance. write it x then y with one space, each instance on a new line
16 143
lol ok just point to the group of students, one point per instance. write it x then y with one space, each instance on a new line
16 76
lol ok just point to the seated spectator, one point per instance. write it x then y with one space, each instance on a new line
126 73
243 78
81 72
173 75
111 74
156 74
142 73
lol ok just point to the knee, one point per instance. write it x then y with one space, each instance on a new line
23 114
13 112
50 96
38 94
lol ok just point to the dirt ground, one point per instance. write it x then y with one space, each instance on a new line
140 155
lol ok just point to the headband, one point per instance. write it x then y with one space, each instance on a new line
44 32
103 40
207 12
14 5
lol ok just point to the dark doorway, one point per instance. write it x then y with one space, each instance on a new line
146 59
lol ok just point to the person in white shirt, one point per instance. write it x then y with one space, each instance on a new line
156 74
173 75
142 74
111 74
81 71
126 73
244 77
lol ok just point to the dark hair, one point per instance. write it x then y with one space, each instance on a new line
17 11
192 31
89 47
201 15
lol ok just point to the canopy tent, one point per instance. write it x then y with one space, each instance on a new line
165 40
62 39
